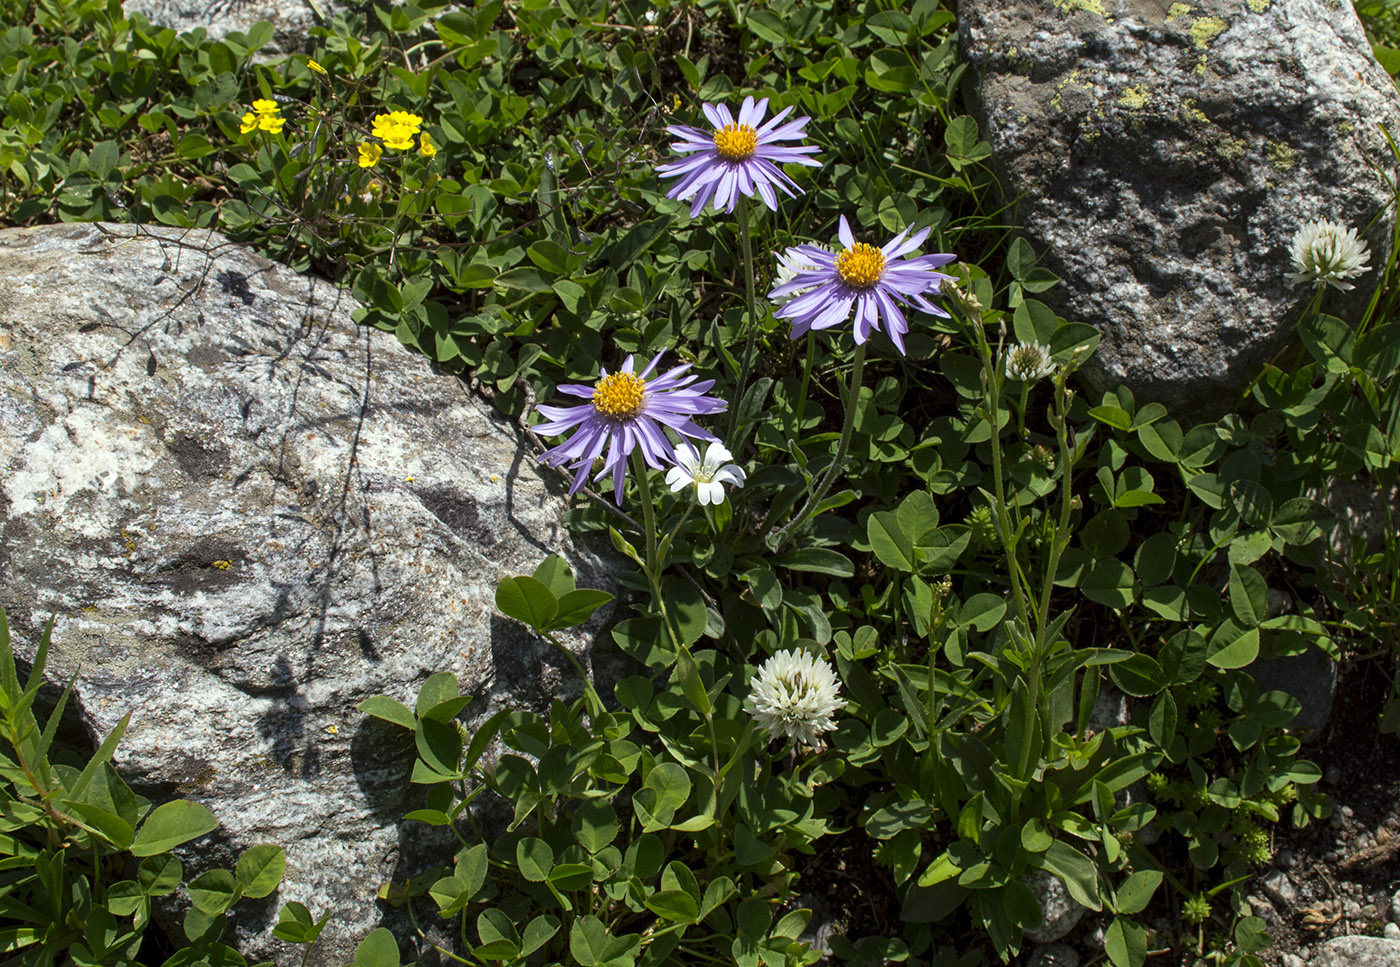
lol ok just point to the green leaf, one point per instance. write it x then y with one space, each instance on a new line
554 574
1074 869
576 607
260 869
535 859
527 600
595 824
982 611
1161 720
1136 891
1233 647
1249 596
890 543
159 875
675 905
686 607
817 560
379 949
1125 942
388 709
214 891
571 876
1138 675
1035 837
537 933
171 824
588 941
688 673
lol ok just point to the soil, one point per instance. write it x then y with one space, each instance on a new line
1337 877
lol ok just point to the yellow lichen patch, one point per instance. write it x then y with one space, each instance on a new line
1178 10
1093 6
1136 98
1190 111
1206 29
222 565
1258 6
1281 156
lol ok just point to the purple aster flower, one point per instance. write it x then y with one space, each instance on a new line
740 158
825 285
630 410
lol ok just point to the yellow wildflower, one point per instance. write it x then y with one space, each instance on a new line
263 106
369 154
271 124
425 147
315 66
249 123
396 129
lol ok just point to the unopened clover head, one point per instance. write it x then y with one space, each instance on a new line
1028 362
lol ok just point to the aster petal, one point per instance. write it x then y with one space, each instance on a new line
718 114
751 113
847 239
796 128
766 192
765 133
898 245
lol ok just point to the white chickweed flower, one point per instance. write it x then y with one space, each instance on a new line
708 476
795 695
1028 362
1328 253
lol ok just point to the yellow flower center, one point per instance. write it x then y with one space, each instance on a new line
860 265
619 395
735 142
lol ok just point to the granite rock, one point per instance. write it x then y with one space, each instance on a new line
249 515
291 20
1161 157
1357 952
1061 911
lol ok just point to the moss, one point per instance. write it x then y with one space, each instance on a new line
1136 98
1281 156
1229 148
1205 30
1093 6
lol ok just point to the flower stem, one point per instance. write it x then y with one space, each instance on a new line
652 567
847 426
746 243
801 406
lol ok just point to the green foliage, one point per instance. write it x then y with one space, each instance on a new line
83 859
995 558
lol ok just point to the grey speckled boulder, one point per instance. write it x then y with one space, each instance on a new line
291 20
249 515
1357 952
1060 911
1165 153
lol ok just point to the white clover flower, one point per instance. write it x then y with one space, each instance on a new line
1328 253
1029 362
795 695
708 475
